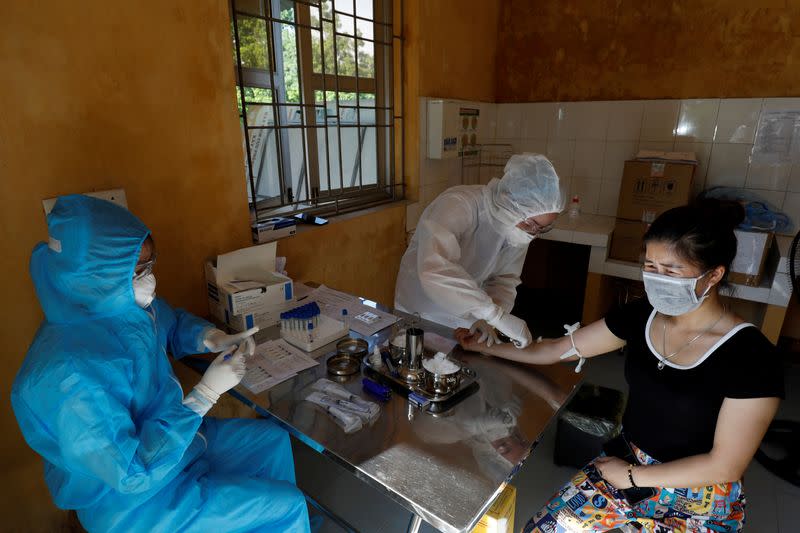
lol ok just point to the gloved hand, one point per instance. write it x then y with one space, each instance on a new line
514 328
217 340
224 373
486 333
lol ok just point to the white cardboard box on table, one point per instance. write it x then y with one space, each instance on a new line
244 290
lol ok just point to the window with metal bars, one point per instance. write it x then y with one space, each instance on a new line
316 96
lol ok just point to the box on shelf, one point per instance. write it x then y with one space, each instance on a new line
273 229
244 290
500 516
651 187
626 241
752 249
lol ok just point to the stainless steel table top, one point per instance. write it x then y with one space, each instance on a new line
446 468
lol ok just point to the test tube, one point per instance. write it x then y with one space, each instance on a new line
310 332
346 319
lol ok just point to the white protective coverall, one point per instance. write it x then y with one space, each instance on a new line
464 261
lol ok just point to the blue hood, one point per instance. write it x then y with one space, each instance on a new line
86 270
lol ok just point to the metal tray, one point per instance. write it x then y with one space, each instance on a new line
468 385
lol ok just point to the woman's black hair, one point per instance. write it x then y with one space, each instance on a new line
701 233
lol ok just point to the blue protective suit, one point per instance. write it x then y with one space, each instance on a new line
97 399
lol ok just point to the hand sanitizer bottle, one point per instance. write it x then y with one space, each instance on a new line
575 207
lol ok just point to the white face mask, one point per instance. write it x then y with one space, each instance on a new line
144 290
518 237
673 296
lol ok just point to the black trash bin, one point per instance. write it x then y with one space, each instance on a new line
591 418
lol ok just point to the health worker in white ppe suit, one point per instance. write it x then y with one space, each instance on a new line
464 261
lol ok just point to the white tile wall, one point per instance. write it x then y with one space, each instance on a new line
661 146
794 179
591 120
625 122
588 143
588 191
728 165
770 177
561 153
563 123
703 153
536 146
697 120
609 197
791 205
659 120
588 159
509 121
737 120
536 118
617 152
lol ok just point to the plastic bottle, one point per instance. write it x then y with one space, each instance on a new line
575 206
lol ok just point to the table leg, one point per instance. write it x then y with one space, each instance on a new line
415 524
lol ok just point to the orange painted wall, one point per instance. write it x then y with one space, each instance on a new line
138 95
450 48
359 253
554 50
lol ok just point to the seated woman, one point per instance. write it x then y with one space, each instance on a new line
703 388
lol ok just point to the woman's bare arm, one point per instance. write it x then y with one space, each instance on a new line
592 340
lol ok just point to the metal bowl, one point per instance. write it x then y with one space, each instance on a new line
356 348
441 383
343 364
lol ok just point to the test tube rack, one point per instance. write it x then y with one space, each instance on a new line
325 330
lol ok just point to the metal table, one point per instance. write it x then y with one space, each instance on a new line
446 469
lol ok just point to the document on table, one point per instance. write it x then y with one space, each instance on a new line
364 319
273 362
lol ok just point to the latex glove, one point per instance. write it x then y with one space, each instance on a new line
217 340
224 373
486 333
514 328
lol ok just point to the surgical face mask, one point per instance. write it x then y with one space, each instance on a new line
529 225
144 290
518 237
673 296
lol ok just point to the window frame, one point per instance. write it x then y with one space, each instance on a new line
386 50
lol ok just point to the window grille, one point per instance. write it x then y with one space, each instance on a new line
317 103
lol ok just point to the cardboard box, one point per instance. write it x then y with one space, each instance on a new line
500 516
626 241
752 249
273 229
244 283
649 188
263 316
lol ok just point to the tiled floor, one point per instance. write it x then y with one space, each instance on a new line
770 501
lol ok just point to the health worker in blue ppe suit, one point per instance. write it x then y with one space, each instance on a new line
97 399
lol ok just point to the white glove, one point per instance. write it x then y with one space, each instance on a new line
217 340
223 374
514 328
487 332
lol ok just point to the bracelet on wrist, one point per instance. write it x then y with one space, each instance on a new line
630 476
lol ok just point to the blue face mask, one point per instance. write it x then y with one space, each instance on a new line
673 296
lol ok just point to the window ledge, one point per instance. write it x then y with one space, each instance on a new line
302 228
